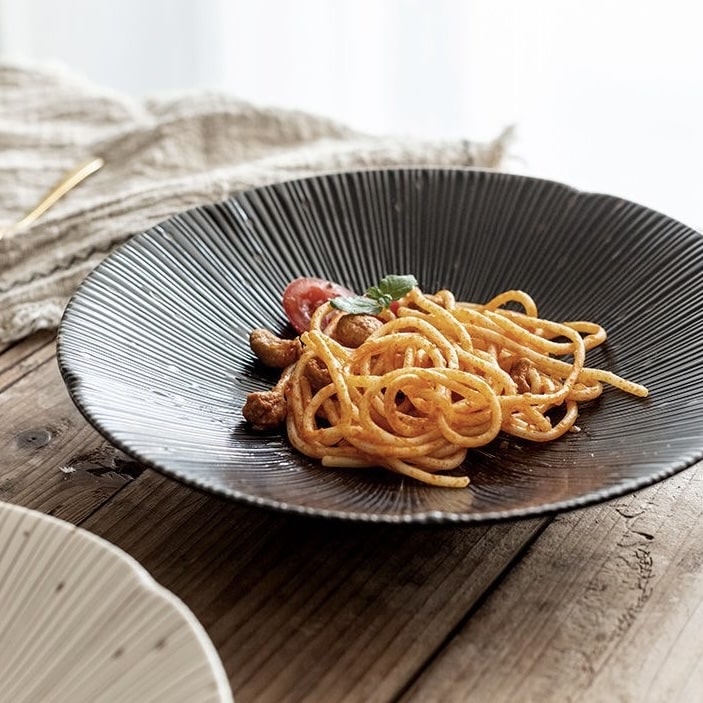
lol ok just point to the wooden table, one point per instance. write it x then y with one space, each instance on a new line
600 604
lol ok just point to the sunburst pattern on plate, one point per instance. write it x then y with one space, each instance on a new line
82 622
153 346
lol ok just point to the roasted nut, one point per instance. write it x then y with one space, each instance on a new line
265 409
317 373
520 373
272 350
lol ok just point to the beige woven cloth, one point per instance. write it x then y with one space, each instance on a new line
162 155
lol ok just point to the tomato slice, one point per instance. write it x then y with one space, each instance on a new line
303 296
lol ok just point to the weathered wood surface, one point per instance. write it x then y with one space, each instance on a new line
596 605
50 459
606 606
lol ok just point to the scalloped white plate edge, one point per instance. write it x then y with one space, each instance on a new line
129 570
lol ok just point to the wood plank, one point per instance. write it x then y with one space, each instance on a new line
50 458
303 609
19 359
607 605
300 609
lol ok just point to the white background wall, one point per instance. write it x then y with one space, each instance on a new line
606 95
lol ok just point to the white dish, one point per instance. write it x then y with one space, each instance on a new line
83 622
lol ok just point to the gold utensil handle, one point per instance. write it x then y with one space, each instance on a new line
67 183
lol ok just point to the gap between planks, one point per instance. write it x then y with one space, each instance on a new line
607 605
19 359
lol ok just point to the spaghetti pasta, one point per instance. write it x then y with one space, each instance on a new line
437 378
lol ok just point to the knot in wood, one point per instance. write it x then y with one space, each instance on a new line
33 439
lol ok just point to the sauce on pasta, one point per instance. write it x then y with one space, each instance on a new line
435 377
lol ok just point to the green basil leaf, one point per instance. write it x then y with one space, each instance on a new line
394 286
377 298
356 305
374 292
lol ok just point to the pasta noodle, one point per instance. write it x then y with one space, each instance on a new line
439 378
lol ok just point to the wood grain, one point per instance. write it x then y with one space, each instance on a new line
606 606
303 609
300 609
50 459
19 359
601 604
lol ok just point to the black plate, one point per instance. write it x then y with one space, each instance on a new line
153 346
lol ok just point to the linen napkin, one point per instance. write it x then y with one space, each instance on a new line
162 155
